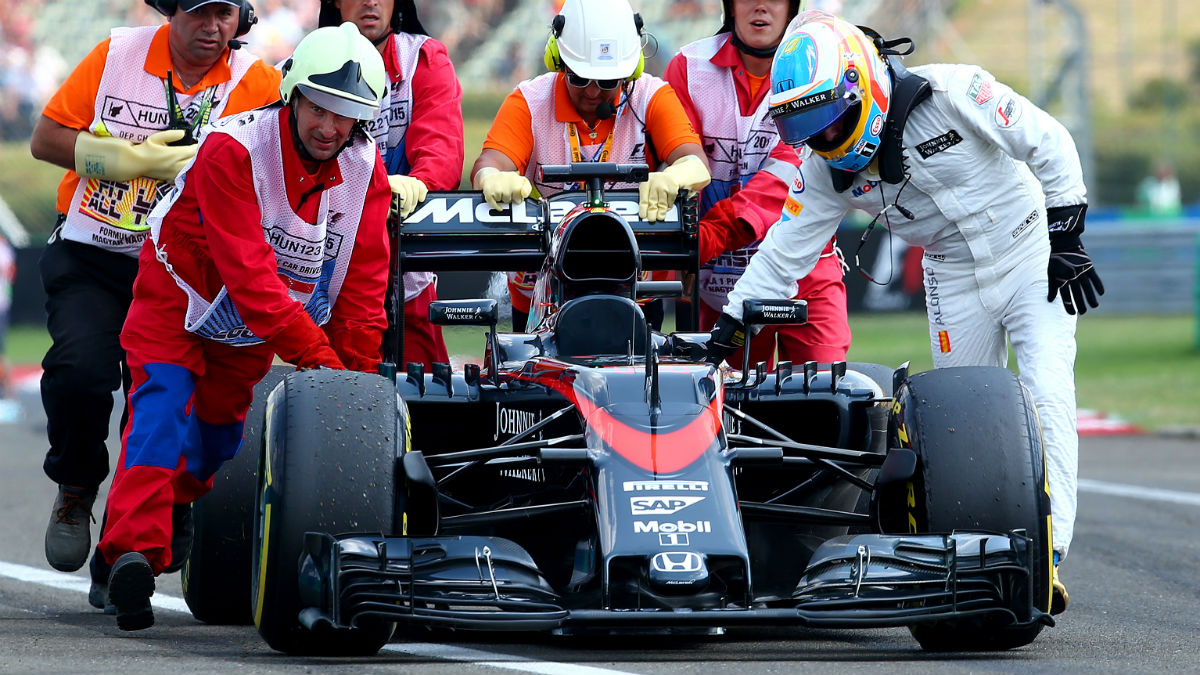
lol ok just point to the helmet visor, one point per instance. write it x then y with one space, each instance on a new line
803 117
338 104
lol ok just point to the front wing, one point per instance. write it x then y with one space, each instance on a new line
489 583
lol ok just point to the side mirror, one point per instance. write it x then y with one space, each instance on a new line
758 313
658 289
480 312
774 312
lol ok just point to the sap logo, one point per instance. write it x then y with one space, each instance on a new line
682 526
660 506
864 189
677 562
666 486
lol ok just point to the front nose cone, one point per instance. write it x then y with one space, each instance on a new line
677 572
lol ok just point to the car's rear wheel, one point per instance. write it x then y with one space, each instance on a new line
216 574
980 466
329 465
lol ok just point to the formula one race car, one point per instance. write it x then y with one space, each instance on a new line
595 475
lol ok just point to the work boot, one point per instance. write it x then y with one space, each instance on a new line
1059 599
98 593
130 586
181 536
69 534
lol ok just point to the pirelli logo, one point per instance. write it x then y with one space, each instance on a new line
944 341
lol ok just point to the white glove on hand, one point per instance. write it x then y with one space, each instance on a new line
657 195
502 187
117 159
409 192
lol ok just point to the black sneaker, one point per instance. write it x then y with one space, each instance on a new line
69 534
98 593
181 536
130 586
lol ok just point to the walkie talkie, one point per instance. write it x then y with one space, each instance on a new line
175 113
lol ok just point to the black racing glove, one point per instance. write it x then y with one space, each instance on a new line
1071 271
728 336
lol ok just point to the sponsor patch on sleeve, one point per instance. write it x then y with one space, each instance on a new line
980 90
792 206
1008 111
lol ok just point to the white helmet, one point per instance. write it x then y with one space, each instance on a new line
596 40
339 70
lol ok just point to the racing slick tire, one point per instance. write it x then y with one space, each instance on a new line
216 574
328 465
980 466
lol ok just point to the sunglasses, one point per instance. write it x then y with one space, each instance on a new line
581 82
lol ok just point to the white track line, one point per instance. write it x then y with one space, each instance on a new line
1139 492
508 662
72 582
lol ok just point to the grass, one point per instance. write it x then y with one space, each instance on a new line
1142 369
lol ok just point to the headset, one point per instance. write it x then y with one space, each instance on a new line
246 16
555 63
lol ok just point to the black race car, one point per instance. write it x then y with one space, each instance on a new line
595 475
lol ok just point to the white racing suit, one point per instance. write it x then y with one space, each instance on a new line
983 165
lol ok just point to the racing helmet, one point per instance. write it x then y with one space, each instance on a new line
827 69
337 69
404 17
596 40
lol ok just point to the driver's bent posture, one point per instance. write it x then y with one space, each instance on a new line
273 241
959 164
596 105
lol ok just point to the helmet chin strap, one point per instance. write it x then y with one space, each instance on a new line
752 51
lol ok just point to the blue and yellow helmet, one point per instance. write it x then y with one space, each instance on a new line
825 70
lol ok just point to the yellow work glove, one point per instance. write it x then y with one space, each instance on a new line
657 195
502 187
409 192
117 159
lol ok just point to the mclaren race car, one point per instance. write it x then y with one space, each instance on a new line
593 475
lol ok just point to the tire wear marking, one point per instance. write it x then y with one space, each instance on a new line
262 566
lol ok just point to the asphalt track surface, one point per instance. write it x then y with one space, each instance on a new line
1133 573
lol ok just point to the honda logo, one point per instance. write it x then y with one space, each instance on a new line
677 561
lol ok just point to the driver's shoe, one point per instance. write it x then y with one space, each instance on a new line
182 530
130 585
1059 599
69 534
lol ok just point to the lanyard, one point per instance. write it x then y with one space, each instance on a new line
601 154
175 112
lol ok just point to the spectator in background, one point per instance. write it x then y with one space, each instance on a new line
118 135
419 132
1159 194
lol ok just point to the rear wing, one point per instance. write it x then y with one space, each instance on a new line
457 231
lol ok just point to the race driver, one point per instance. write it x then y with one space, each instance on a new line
596 105
959 164
419 132
720 82
272 241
